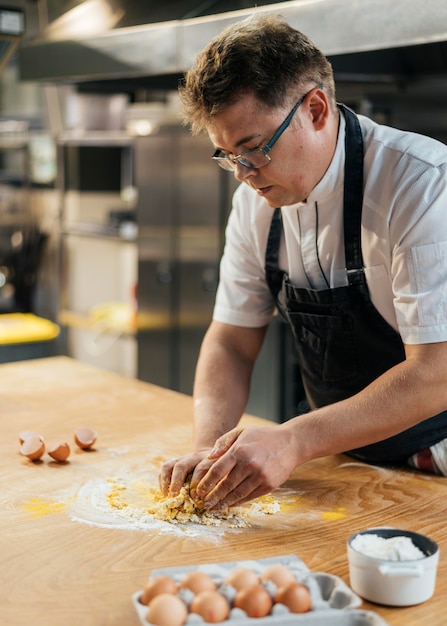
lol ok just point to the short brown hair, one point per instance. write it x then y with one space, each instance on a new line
261 55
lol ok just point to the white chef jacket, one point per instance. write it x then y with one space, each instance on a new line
404 237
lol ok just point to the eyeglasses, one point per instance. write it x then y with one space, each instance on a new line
259 157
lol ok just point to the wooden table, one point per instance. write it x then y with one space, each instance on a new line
56 571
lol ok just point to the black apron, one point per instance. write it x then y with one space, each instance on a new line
343 343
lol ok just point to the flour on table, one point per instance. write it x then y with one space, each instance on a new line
132 503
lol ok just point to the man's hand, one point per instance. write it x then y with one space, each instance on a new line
244 464
175 472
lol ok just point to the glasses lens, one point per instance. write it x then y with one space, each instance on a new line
224 163
253 160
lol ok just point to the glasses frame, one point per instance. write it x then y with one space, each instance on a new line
229 163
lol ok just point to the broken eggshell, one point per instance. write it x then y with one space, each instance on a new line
26 434
85 437
60 452
33 447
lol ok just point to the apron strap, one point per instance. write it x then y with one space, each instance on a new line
273 275
353 197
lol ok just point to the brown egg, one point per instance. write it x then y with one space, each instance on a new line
242 577
26 434
211 606
279 574
295 597
156 586
33 447
85 437
197 581
254 600
60 452
167 610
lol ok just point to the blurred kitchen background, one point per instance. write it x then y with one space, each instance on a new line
112 216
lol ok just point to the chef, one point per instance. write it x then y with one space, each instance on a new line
339 225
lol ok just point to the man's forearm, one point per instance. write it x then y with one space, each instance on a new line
220 397
222 381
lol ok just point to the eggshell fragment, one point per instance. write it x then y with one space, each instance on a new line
33 447
60 452
167 610
197 582
85 437
156 586
26 434
254 600
295 597
279 574
211 606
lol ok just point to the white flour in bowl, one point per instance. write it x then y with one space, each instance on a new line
398 548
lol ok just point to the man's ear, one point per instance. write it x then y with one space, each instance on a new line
319 109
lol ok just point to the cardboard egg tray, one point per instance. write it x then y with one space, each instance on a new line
332 600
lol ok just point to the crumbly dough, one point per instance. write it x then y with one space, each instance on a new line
182 508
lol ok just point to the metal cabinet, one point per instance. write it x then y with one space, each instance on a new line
183 202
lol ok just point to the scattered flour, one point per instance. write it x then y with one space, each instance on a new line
133 504
392 549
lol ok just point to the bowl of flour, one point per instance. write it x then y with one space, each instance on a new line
392 567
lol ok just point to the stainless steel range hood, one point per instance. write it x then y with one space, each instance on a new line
169 47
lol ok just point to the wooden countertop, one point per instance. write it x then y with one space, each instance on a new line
58 571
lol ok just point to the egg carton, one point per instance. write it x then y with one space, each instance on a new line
332 600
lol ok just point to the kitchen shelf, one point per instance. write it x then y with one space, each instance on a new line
144 322
95 138
122 325
101 231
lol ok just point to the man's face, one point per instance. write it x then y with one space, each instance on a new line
299 158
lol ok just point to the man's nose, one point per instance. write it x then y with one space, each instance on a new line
242 172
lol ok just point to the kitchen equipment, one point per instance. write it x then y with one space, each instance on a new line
25 336
394 582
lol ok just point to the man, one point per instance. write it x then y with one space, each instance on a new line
339 225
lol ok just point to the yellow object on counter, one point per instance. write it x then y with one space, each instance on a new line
26 328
